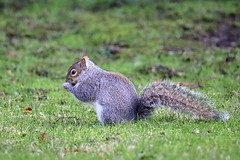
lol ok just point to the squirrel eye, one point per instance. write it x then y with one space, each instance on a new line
73 72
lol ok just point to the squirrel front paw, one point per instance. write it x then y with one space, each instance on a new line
68 86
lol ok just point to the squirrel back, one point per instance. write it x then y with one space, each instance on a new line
116 101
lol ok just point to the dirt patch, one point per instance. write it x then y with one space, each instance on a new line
189 85
166 72
225 34
115 48
15 5
40 72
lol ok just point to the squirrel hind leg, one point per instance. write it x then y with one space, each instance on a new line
144 112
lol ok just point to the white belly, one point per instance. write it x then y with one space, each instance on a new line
99 110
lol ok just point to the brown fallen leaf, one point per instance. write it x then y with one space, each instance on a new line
77 150
44 136
28 109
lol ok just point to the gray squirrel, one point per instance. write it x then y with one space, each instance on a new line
115 98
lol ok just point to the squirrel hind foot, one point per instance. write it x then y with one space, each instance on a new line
144 112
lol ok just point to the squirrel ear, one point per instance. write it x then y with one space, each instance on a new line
84 63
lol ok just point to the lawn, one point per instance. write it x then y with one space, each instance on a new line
195 42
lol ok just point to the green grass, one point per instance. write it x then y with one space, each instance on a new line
39 41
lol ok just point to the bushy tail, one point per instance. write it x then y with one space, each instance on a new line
173 96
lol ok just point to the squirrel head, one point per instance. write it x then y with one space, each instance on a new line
76 69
